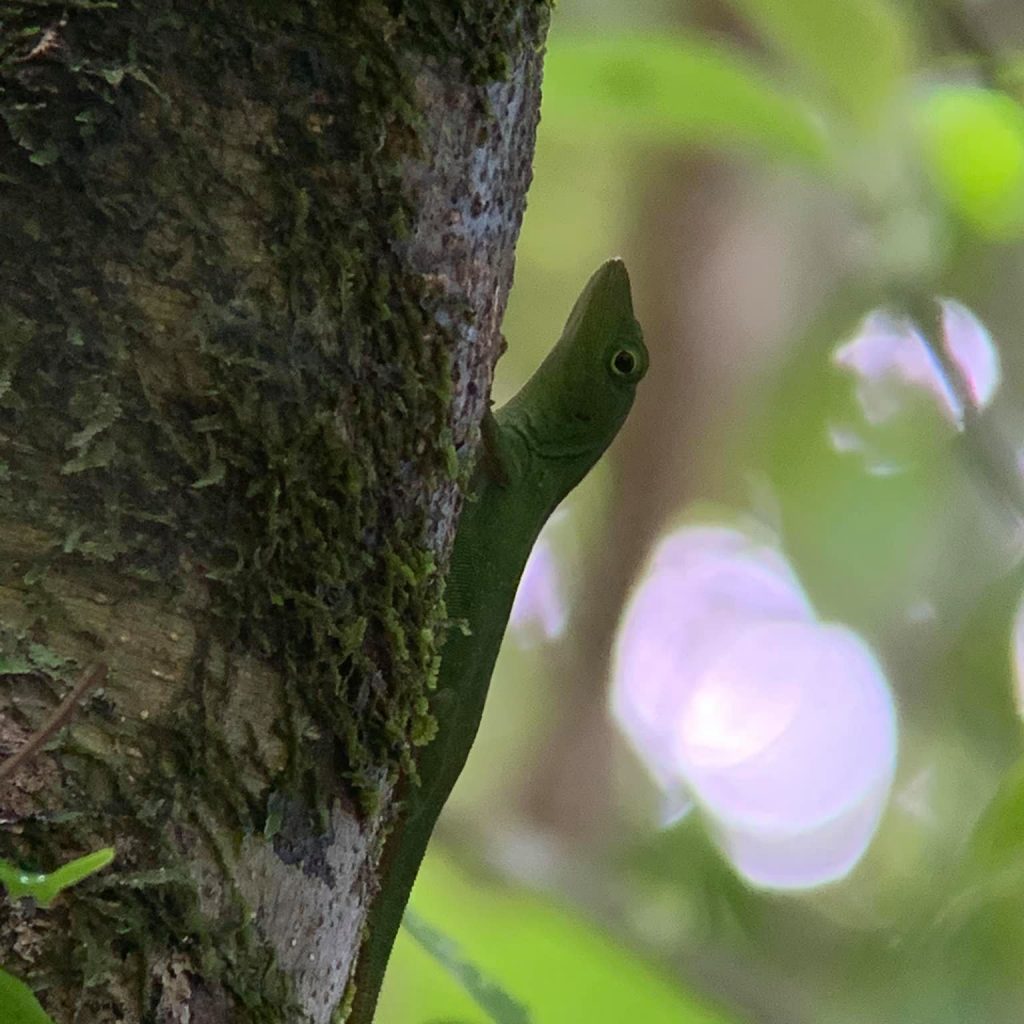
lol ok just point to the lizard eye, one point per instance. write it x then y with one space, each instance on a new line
624 363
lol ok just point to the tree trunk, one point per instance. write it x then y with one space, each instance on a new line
254 257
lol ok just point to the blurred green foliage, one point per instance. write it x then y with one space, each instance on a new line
556 964
673 89
499 1006
974 146
889 137
856 51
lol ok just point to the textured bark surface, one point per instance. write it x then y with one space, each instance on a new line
253 262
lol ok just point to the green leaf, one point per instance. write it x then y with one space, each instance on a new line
44 889
856 49
564 967
971 951
214 475
499 1006
991 872
973 143
45 658
672 90
45 156
12 664
17 1003
998 838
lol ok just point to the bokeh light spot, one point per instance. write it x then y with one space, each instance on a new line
731 718
782 729
540 611
904 404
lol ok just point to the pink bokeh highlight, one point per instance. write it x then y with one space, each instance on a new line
893 365
780 728
904 401
540 611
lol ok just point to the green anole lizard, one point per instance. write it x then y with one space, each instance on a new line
536 449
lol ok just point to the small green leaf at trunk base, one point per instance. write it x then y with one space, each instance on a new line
17 1003
44 889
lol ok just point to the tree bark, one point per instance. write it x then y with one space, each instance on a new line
254 257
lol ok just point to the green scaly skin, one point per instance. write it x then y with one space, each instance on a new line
537 448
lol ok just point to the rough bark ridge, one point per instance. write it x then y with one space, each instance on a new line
253 262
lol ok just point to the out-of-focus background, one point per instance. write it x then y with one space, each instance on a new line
824 823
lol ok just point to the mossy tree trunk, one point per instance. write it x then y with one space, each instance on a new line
253 262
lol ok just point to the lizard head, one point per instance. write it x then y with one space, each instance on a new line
575 403
602 349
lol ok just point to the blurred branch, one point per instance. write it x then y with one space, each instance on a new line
499 1006
92 677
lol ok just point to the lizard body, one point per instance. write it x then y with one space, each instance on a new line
536 449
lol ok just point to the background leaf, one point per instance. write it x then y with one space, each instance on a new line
672 89
973 141
857 49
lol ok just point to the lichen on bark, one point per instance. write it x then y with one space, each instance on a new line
255 257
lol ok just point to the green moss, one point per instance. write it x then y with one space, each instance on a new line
314 380
20 655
